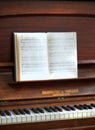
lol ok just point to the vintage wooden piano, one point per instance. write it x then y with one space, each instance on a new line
59 104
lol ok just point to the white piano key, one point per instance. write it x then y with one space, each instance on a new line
93 112
46 116
67 113
13 119
71 115
18 118
80 113
8 120
3 120
62 115
28 118
52 117
23 118
56 115
88 113
75 115
0 120
84 113
42 116
38 117
33 116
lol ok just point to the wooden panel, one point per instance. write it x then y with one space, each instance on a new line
84 26
43 89
23 7
45 16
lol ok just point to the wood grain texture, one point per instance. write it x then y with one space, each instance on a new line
45 7
83 26
48 16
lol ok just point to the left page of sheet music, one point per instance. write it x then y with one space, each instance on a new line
31 56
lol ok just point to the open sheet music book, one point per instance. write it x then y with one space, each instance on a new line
45 56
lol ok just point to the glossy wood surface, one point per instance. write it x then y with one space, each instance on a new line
48 16
45 16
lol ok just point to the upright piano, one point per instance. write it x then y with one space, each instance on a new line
65 104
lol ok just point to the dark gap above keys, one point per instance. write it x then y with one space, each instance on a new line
21 111
58 108
66 108
53 109
83 106
93 105
47 109
16 112
40 110
34 110
71 107
2 113
26 111
89 107
78 107
7 113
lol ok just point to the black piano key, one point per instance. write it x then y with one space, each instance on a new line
7 113
40 110
71 107
53 109
26 111
2 113
83 106
88 106
92 105
66 108
58 108
34 110
16 112
48 109
78 107
21 111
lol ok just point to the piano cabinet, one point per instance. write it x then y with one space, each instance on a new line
48 16
55 125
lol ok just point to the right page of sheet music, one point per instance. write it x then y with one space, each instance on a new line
62 54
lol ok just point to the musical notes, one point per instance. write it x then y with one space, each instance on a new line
62 55
43 56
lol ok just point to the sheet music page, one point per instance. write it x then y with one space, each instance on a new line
32 56
62 51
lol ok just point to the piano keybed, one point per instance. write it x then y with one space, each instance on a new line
43 114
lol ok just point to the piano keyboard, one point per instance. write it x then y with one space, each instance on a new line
46 114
